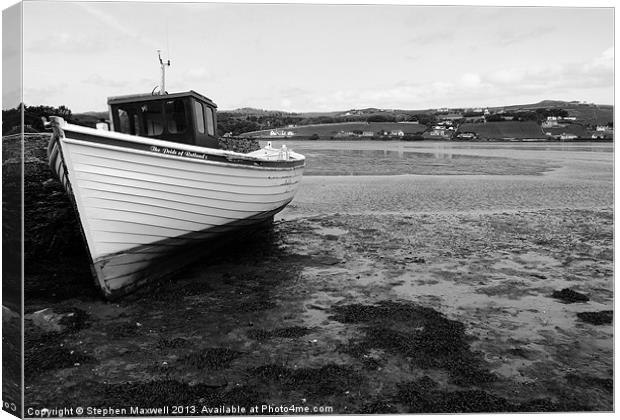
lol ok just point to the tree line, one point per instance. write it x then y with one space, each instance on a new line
235 123
238 122
12 118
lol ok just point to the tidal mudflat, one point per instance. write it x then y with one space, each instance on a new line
426 277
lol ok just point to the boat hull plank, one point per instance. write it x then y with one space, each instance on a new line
122 272
206 190
192 171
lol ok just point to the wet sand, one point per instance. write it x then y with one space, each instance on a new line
422 283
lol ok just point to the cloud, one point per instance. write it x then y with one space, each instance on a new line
511 37
289 98
293 91
96 79
499 86
429 38
596 72
470 80
65 42
103 86
604 63
286 103
197 74
115 26
48 95
506 76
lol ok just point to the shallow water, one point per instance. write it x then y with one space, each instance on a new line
376 177
478 148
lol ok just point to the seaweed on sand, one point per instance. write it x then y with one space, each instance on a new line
569 296
330 379
211 358
421 334
425 396
49 353
172 343
597 318
285 332
55 259
157 393
606 384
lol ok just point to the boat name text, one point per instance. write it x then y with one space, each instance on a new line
180 153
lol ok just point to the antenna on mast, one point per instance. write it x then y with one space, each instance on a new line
162 90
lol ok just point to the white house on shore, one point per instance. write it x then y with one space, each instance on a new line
550 122
281 133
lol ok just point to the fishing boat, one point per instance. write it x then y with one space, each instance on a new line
153 190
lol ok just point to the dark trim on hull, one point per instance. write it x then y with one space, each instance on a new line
146 264
171 152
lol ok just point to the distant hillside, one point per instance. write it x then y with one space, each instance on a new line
548 103
89 119
504 130
255 112
594 115
587 113
574 129
259 122
578 108
247 111
326 131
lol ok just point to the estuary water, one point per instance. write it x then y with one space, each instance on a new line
402 177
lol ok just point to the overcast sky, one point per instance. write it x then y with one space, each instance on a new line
317 57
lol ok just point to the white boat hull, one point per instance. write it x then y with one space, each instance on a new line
146 206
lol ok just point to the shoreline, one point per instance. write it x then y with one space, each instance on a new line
580 140
438 140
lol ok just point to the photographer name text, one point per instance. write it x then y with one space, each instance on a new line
176 410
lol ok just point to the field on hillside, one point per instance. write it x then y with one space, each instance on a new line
575 129
329 130
504 130
586 113
593 115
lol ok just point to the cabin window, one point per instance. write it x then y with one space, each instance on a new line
123 121
175 116
199 115
209 120
128 120
152 117
136 124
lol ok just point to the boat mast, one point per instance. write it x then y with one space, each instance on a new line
162 90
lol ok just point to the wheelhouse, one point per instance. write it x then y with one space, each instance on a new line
186 117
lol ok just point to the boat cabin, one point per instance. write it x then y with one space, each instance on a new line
186 117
